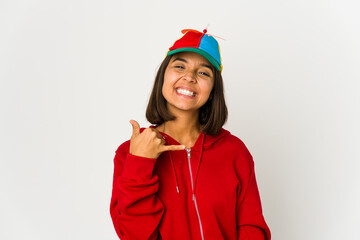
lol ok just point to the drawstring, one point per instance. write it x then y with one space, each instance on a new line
173 167
174 173
197 171
200 157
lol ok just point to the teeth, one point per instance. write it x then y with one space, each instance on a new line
185 92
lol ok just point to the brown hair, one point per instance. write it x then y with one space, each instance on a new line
212 115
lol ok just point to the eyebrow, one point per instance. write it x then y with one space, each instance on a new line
183 60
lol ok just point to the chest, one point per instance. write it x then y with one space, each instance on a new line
210 175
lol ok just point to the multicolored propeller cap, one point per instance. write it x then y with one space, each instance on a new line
198 42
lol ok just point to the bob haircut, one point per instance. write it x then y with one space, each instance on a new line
212 115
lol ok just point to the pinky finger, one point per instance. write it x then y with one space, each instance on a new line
172 148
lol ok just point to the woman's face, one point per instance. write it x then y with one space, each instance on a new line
188 82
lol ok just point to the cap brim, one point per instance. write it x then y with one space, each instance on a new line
199 51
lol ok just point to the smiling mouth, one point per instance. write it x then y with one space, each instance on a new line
185 92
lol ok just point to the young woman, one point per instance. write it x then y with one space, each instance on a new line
186 177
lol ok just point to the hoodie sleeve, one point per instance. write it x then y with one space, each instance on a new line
135 209
250 220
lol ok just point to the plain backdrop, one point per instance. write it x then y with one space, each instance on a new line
73 73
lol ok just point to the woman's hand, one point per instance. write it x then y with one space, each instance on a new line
149 143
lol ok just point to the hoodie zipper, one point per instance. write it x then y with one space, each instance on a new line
188 150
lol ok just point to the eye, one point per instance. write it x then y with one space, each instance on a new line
180 67
204 73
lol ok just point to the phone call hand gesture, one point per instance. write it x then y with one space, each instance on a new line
149 143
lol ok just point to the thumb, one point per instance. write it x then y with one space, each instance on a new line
136 128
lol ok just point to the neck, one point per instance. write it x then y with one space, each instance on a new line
185 129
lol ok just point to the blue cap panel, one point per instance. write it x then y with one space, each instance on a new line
211 46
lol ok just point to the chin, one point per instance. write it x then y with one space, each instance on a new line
182 108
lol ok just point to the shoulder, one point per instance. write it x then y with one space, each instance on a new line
241 157
236 145
121 152
124 147
237 152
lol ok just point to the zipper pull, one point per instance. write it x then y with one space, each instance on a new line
188 152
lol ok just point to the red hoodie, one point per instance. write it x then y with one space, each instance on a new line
161 199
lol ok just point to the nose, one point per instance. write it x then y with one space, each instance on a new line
190 76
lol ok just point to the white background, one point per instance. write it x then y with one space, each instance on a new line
73 73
